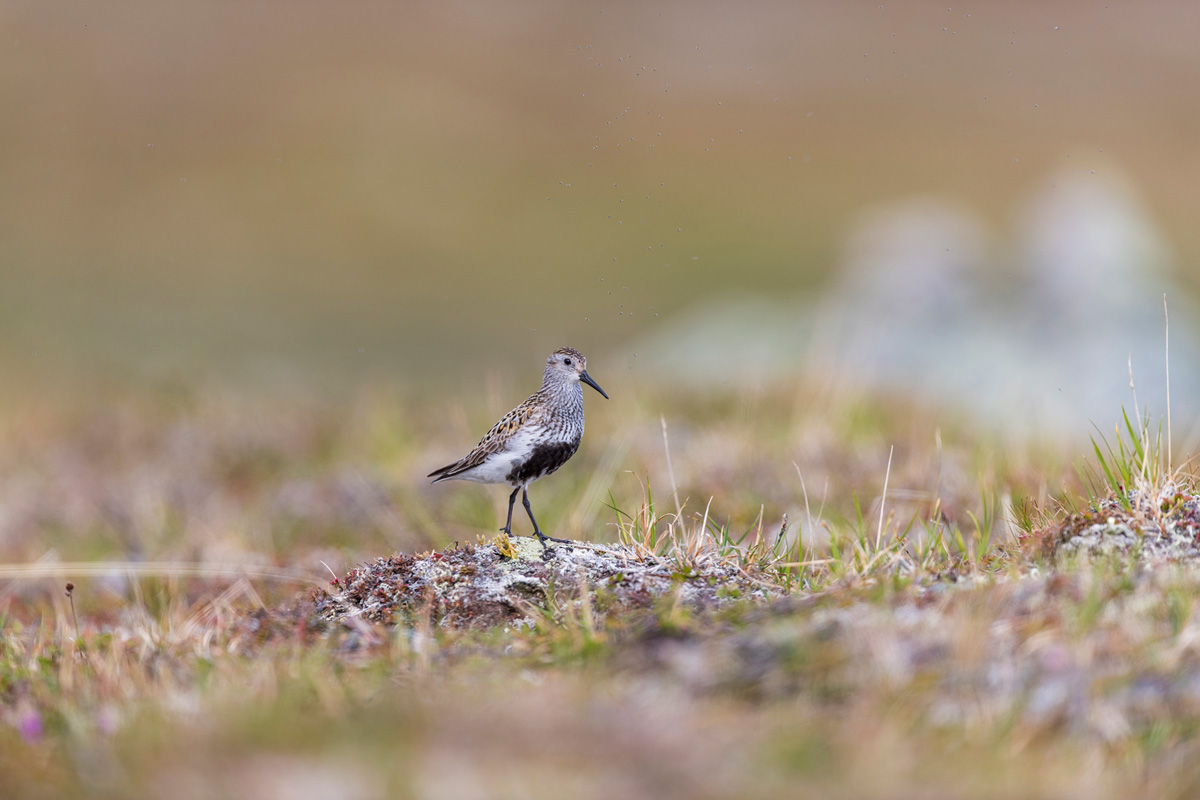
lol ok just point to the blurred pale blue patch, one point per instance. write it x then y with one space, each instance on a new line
1031 332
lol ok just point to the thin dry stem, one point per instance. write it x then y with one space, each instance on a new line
153 569
883 500
1167 343
1137 415
670 468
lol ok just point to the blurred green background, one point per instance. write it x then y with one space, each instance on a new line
328 193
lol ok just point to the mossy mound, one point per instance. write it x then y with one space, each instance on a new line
514 580
1152 527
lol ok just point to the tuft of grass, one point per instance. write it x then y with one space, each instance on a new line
857 550
1133 478
1134 462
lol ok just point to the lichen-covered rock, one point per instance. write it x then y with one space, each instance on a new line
478 586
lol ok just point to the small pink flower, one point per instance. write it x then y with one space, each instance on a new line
106 721
29 725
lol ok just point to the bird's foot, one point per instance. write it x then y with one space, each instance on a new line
506 530
543 538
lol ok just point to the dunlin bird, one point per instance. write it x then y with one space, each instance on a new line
534 439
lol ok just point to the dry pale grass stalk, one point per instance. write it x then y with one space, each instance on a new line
1167 347
152 569
883 498
670 468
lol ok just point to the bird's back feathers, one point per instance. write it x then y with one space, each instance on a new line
497 440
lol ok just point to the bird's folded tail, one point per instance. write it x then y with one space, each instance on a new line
448 471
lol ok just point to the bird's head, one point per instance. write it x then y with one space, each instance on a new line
567 365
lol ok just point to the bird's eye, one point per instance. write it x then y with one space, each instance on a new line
567 361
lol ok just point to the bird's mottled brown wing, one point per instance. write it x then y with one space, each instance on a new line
494 441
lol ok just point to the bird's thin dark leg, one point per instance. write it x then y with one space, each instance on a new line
536 530
512 499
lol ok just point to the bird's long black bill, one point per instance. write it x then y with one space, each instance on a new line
588 380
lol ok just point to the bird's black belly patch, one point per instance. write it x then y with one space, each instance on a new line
544 459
